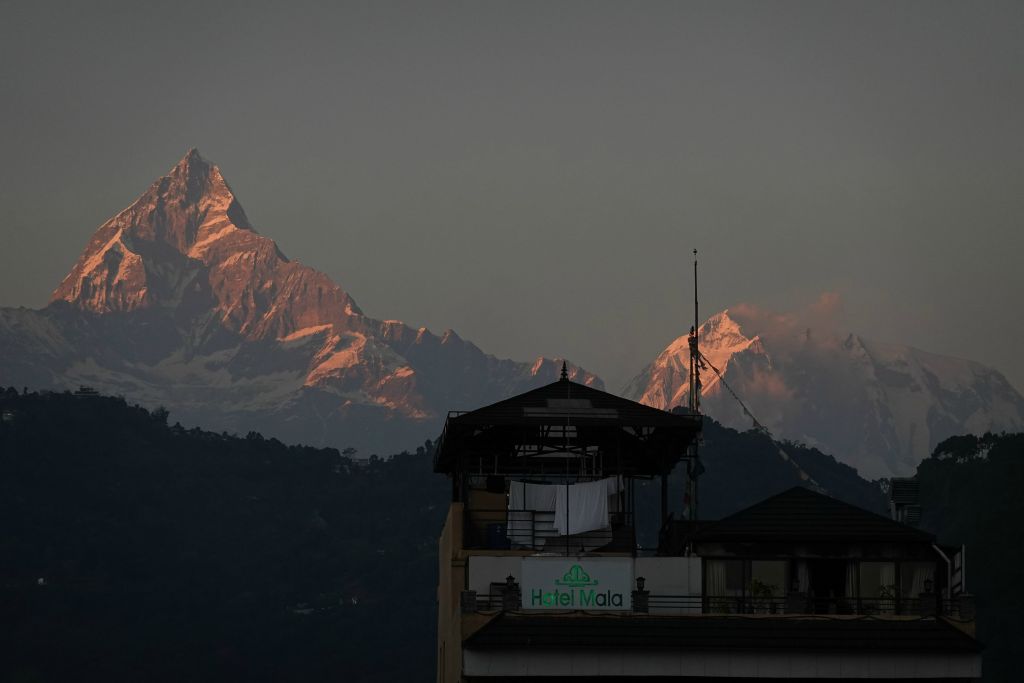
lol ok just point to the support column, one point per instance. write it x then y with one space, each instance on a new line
664 499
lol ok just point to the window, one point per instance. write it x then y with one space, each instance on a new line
877 587
913 576
877 580
723 585
768 578
724 577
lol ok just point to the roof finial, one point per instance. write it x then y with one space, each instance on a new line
565 372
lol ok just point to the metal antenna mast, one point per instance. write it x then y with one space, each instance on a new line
694 351
693 467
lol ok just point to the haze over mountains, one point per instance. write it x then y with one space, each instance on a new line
881 408
178 301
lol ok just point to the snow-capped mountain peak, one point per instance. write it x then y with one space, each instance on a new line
879 407
178 301
148 254
665 383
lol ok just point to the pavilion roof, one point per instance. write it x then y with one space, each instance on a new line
646 438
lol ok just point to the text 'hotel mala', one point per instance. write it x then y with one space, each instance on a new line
541 575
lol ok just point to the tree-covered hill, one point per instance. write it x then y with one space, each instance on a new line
140 551
971 492
743 468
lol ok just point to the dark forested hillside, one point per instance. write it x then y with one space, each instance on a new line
139 551
143 551
971 492
743 468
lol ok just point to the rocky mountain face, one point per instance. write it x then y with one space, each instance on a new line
178 301
881 408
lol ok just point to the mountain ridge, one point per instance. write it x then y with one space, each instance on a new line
177 300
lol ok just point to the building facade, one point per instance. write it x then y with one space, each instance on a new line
541 577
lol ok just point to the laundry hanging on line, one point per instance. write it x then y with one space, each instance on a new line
577 508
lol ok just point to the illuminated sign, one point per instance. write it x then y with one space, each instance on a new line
577 583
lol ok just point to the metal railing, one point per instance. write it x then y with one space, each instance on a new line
535 530
666 604
486 602
801 604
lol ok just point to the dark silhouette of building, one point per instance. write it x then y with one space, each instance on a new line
541 575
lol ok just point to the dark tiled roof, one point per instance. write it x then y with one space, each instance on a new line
651 439
800 514
714 633
579 404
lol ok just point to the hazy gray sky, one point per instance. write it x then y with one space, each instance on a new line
534 175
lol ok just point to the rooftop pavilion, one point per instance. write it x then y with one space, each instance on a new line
564 433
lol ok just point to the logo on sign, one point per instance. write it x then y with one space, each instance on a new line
575 578
575 590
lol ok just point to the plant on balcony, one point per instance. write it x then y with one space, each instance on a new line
761 595
887 598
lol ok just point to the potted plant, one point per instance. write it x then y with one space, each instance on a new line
761 595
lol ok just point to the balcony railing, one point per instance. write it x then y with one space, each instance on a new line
666 604
535 530
800 604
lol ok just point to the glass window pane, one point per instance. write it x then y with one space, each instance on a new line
877 580
877 587
768 578
723 585
723 577
913 576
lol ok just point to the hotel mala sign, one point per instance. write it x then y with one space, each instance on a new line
571 583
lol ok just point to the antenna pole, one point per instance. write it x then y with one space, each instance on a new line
694 393
694 352
693 465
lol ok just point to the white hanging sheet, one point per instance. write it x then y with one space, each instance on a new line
582 507
577 508
540 497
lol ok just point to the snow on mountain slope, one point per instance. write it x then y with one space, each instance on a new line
665 383
881 408
178 301
187 244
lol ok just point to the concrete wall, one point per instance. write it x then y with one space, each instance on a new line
450 583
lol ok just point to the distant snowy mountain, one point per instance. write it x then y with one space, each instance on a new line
178 301
881 408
